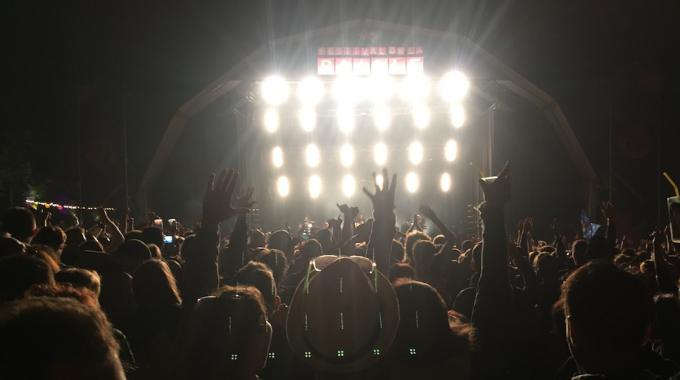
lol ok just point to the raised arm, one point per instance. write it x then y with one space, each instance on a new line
380 243
200 273
492 301
666 277
117 237
348 214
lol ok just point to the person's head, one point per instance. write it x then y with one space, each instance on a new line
117 298
134 235
10 246
45 254
280 240
51 236
83 295
423 253
311 249
132 254
80 278
75 236
546 267
399 271
257 239
154 285
57 338
276 261
19 222
411 240
19 273
424 329
607 314
260 276
228 336
155 251
397 252
152 235
92 245
324 238
667 314
578 252
439 240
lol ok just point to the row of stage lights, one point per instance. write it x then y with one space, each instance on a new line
349 91
348 184
415 150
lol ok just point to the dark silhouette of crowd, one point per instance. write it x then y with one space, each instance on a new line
354 298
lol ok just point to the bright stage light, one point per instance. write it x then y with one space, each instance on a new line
349 90
345 118
453 86
283 186
274 90
421 115
307 118
311 91
445 182
412 182
380 154
457 115
379 181
451 150
415 89
277 157
349 185
271 120
346 155
312 156
314 186
381 117
380 89
415 153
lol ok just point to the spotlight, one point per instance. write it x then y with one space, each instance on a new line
412 182
445 182
381 117
415 89
453 86
451 150
415 153
271 120
345 117
379 181
348 90
346 155
349 185
380 89
312 155
277 157
307 118
314 185
311 91
380 154
274 90
283 186
457 115
421 115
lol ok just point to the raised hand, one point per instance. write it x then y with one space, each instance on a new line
497 192
608 209
244 201
217 200
353 212
427 212
383 198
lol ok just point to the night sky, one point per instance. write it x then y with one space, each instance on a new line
76 71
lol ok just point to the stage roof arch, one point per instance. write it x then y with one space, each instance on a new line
295 56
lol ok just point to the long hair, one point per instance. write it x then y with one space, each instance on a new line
154 285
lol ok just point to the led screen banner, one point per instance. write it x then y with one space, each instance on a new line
370 60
